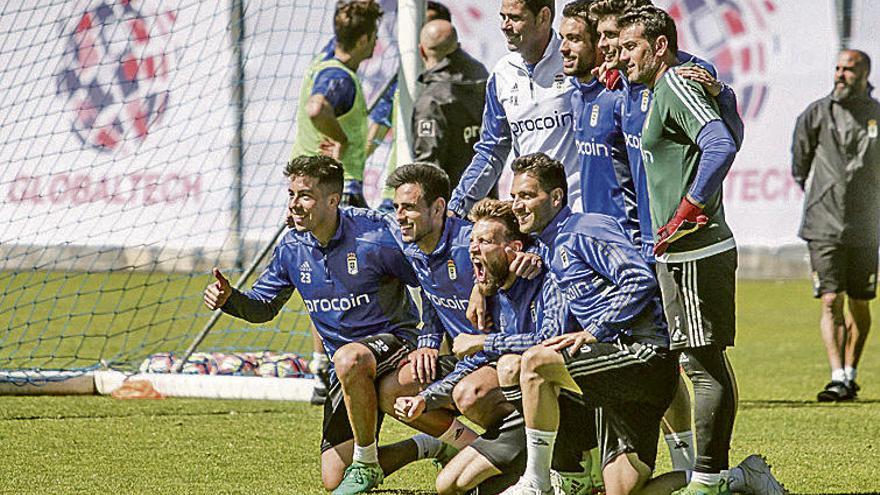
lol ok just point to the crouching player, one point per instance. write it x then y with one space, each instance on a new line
620 361
352 277
526 312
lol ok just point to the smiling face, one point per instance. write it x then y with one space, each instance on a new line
310 206
638 55
609 36
533 206
578 51
414 215
489 238
520 26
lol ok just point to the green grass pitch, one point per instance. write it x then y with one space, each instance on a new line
100 445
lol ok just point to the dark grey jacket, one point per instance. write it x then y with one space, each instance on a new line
448 113
836 155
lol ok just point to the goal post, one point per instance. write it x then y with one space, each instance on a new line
143 144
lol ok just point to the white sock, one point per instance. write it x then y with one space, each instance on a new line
366 455
458 435
850 373
427 445
539 451
838 375
706 478
681 450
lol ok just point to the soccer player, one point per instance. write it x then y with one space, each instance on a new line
528 104
620 361
526 312
687 151
332 114
677 422
352 276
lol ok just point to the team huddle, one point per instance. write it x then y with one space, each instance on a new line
563 321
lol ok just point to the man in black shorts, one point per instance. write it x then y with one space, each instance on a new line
836 147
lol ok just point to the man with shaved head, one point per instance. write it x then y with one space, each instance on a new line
836 159
448 113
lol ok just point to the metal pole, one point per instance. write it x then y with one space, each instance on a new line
237 32
844 22
258 259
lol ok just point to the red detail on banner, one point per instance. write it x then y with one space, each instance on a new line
770 6
139 30
724 60
734 22
87 52
129 68
107 138
753 185
745 57
675 12
84 23
761 58
81 188
138 115
475 13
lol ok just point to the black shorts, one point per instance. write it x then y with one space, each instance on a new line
389 351
838 268
633 384
699 300
505 445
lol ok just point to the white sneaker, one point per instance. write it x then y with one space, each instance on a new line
523 487
571 483
752 476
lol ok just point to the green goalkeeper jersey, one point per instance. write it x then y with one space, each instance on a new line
679 111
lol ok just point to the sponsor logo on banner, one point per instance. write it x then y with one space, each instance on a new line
115 77
737 37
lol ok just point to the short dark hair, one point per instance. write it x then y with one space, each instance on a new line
355 19
431 178
535 6
550 173
502 212
441 10
327 170
616 8
656 21
864 59
580 9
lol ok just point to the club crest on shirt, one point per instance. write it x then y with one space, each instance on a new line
594 116
646 99
450 268
563 255
559 81
534 309
872 128
352 263
427 128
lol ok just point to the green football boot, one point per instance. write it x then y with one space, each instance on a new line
446 453
571 483
359 478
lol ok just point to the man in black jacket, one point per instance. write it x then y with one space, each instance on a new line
448 113
836 159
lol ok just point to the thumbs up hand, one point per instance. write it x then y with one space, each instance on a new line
217 292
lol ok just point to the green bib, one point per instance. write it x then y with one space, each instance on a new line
353 123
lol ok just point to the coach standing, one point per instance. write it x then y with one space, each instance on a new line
448 112
836 148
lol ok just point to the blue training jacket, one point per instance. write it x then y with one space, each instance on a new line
607 283
353 288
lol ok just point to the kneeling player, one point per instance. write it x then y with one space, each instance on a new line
352 276
524 310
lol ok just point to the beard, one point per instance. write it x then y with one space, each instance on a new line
496 273
844 92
